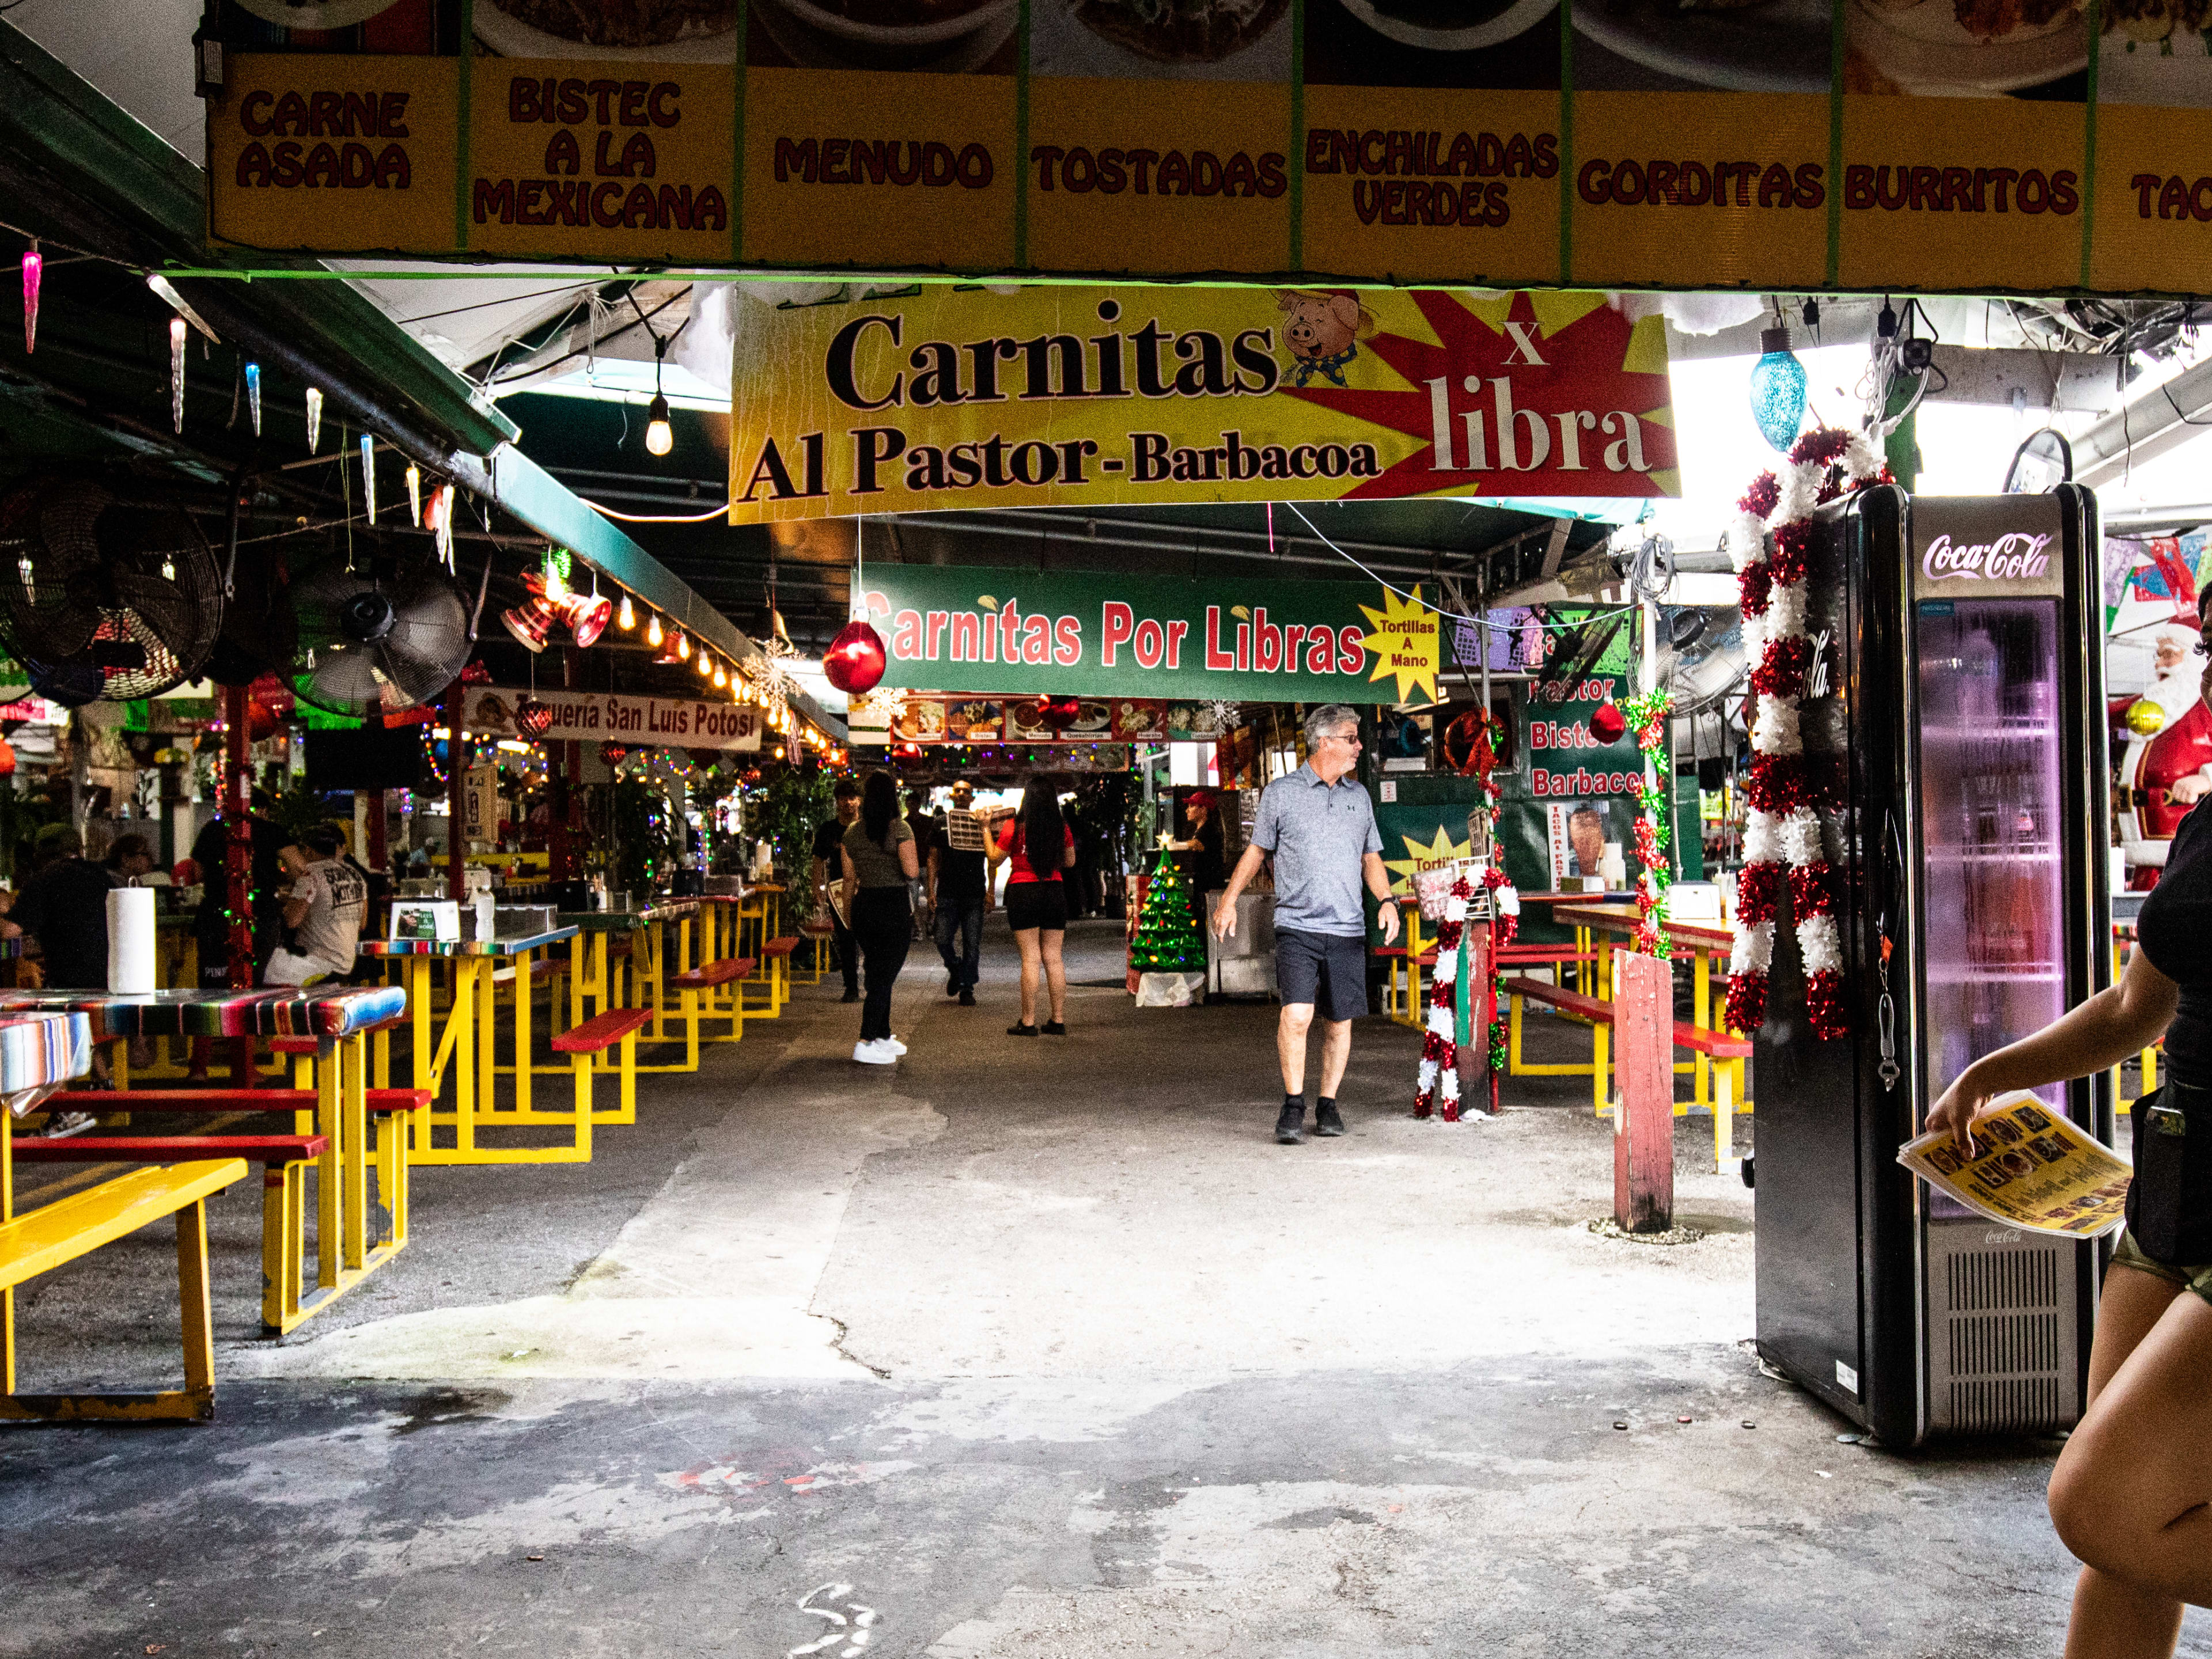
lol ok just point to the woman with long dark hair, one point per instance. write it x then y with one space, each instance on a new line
879 860
1039 844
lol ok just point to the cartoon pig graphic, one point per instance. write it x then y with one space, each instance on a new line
1322 332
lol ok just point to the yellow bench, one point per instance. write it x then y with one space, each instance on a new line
79 1225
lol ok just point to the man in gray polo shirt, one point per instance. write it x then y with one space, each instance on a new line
1320 825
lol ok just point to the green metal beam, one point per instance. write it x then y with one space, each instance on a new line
528 492
100 179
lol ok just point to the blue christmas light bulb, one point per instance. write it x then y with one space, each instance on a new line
253 395
1777 390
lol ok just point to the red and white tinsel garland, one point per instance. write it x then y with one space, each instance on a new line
1783 843
1439 1077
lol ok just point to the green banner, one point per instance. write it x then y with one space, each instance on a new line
967 628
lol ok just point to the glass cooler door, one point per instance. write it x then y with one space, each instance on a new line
1993 883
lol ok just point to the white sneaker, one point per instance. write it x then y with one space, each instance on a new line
896 1046
877 1052
60 1126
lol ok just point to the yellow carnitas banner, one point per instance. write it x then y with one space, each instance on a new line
960 397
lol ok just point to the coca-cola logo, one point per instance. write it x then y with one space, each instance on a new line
2016 557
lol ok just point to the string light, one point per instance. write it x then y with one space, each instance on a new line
253 396
683 647
721 676
368 474
625 618
705 665
314 419
653 631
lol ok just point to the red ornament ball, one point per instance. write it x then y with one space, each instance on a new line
907 752
1057 713
533 718
1607 722
611 752
855 660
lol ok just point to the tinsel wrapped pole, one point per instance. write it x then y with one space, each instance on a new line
1784 844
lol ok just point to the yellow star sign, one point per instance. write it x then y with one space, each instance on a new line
1434 856
1407 643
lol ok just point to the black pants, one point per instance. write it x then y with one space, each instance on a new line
849 959
883 926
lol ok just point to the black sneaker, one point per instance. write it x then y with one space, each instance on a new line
1291 1120
851 996
1019 1030
1326 1121
1053 1028
952 985
967 997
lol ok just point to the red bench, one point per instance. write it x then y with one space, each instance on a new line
284 1193
700 1003
283 1196
171 1149
1725 1049
708 975
617 1026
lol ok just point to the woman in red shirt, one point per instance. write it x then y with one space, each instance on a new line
1040 845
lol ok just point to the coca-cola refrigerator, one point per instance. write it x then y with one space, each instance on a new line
1959 641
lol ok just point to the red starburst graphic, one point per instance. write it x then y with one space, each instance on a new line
1574 420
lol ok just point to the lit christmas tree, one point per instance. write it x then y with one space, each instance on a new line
1167 939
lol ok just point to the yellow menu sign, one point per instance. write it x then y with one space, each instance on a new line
1976 146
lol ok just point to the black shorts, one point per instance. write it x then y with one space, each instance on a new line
1036 904
1324 970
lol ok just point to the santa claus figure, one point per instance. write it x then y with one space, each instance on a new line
2165 773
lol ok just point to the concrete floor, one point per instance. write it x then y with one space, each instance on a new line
1026 1348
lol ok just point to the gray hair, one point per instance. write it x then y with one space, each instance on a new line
1323 721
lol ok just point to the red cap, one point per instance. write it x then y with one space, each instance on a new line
1199 797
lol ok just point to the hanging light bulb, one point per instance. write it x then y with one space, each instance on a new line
625 618
314 419
414 493
721 676
368 474
653 631
177 333
659 436
705 665
683 647
1777 388
253 396
34 268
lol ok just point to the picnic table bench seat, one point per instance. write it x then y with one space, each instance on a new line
76 1225
617 1030
1727 1050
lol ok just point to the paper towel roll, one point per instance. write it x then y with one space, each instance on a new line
130 940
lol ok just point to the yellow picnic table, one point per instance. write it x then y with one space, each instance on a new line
1703 941
467 1047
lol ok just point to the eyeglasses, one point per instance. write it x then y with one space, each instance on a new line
1351 736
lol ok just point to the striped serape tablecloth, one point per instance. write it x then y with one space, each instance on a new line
281 1011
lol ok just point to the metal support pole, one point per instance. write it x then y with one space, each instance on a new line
238 866
457 798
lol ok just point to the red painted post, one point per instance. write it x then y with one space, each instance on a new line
238 866
457 798
1643 1093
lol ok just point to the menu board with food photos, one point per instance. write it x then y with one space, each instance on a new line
1773 144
